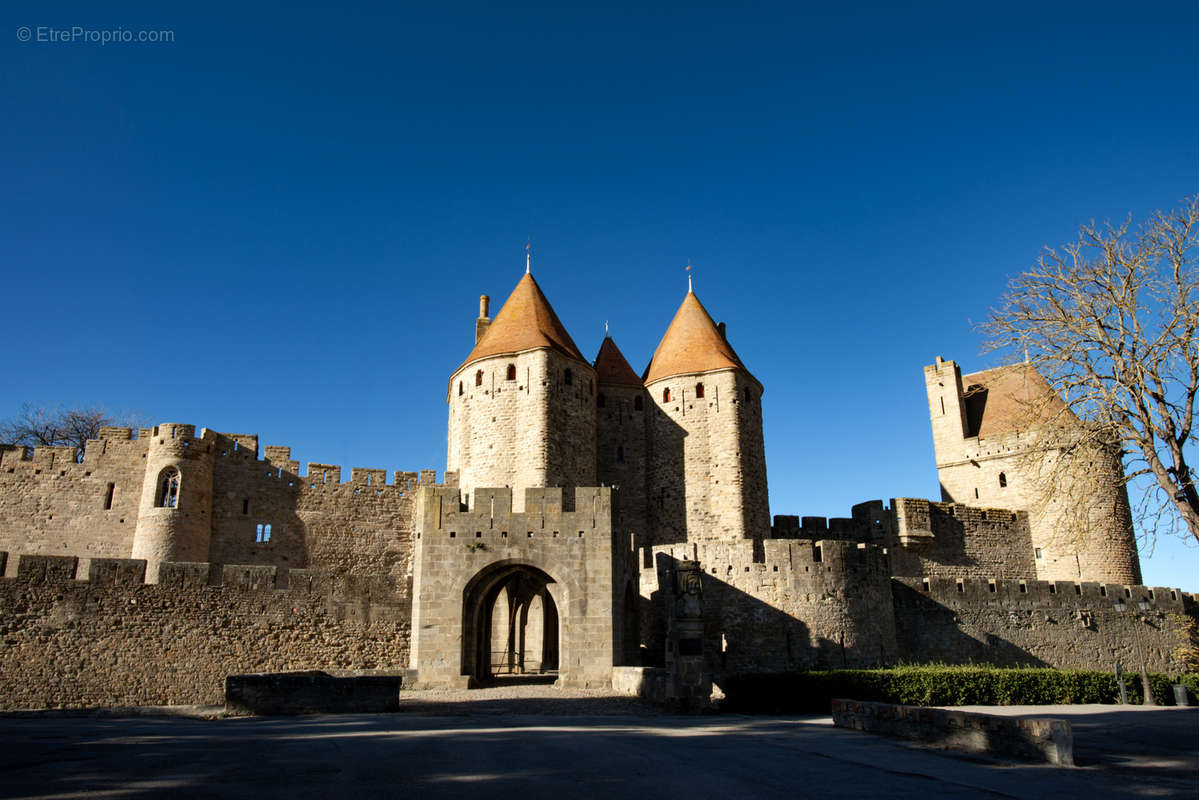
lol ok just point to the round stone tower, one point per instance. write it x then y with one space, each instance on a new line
522 405
707 461
174 521
622 410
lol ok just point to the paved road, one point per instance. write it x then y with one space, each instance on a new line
487 750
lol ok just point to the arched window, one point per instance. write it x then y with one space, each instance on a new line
1002 480
459 388
666 395
699 390
637 403
478 377
600 400
168 488
620 453
569 377
511 372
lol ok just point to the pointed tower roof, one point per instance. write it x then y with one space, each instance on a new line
612 368
692 343
526 322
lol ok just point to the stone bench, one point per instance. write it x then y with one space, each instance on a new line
1040 740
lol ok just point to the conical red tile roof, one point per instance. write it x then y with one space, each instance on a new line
612 368
526 322
692 343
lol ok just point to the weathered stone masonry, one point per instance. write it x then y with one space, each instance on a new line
112 639
169 557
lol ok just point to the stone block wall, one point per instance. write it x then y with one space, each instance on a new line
109 639
1080 517
781 605
105 505
953 540
707 463
1036 623
532 431
459 551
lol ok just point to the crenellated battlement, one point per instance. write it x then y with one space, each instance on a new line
832 558
442 509
65 571
1047 594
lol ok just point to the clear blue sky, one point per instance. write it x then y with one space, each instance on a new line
281 222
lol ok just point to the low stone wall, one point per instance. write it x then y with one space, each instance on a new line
311 693
1041 740
113 640
648 683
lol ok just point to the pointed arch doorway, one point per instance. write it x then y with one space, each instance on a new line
510 625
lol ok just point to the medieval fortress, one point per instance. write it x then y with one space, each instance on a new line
591 521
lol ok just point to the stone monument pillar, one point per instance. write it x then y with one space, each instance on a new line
688 683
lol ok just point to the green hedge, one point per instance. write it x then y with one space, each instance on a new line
812 692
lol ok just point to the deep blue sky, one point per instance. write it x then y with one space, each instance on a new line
281 222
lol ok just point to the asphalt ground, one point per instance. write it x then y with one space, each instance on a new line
541 743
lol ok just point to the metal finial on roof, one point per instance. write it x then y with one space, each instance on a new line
605 329
689 275
529 256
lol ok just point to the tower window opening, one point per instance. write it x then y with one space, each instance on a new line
245 505
747 395
112 488
637 404
1002 480
620 453
478 377
1040 554
666 395
459 388
168 488
262 533
511 374
600 400
975 492
699 390
568 377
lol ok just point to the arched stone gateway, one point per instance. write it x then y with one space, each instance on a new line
510 623
497 592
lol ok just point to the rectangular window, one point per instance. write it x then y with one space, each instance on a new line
262 533
1040 554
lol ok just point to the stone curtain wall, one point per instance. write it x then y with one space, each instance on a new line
51 504
797 605
113 640
1035 623
956 541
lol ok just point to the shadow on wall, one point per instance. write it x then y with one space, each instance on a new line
667 496
928 632
743 634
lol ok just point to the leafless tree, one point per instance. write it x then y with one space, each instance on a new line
1111 320
35 426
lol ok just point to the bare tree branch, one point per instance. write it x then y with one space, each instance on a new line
1110 321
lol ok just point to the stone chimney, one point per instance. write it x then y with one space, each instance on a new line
484 321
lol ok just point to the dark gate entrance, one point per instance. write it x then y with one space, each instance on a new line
510 627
